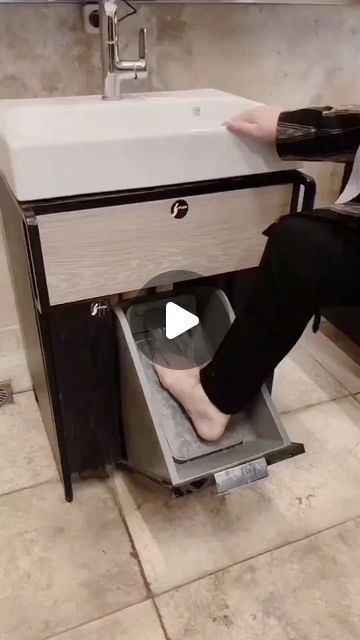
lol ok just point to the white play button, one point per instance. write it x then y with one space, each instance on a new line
178 320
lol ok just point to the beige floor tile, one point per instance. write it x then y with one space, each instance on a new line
10 341
308 591
25 457
136 623
341 341
301 381
182 540
333 358
13 368
62 565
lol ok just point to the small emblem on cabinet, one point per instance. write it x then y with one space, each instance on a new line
99 308
179 209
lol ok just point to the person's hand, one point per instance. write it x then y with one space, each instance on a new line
259 123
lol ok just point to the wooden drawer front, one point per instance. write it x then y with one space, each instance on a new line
116 249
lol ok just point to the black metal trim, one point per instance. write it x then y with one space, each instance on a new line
309 185
348 167
34 246
292 450
78 203
55 403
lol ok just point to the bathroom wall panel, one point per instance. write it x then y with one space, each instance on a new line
8 315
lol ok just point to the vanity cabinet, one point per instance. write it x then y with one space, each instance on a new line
71 258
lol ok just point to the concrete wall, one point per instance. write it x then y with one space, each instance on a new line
290 55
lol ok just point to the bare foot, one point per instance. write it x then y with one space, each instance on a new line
185 386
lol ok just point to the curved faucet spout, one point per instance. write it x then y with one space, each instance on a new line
114 68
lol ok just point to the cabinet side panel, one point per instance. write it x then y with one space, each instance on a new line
31 322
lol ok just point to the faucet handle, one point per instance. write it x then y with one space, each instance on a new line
143 46
140 66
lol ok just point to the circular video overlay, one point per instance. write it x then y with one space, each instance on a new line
179 327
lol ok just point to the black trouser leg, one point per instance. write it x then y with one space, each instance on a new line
307 264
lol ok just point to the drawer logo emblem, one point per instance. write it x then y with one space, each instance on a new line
179 209
99 308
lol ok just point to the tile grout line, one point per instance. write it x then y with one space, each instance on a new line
161 620
315 404
255 557
53 480
135 554
316 359
20 393
62 633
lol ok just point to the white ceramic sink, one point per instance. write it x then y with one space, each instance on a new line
70 146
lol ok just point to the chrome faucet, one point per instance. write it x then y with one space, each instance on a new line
114 69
